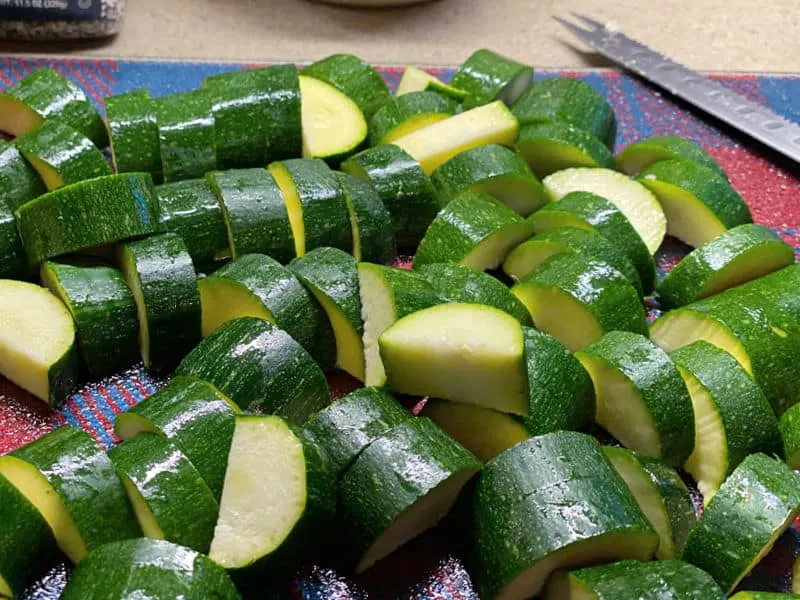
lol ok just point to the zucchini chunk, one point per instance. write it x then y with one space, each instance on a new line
19 182
487 76
551 147
186 135
133 133
640 155
13 261
408 113
417 80
355 78
790 436
370 221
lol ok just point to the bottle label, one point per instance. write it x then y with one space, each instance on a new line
50 10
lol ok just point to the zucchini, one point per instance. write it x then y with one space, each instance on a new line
754 506
790 435
169 496
736 256
37 341
61 155
589 211
355 78
259 367
733 418
254 212
387 295
551 147
316 205
474 230
462 352
45 95
190 208
149 569
331 275
436 144
88 214
699 204
370 221
459 283
405 190
567 100
186 135
634 200
70 480
551 502
133 133
193 415
104 312
641 398
417 80
661 494
640 155
160 273
19 182
496 170
346 427
763 596
333 125
13 262
487 76
256 285
577 299
408 113
401 485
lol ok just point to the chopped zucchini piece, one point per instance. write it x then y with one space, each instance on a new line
133 133
186 134
19 182
408 113
551 147
355 78
417 80
487 76
370 221
640 155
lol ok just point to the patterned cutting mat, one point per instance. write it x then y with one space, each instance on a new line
430 567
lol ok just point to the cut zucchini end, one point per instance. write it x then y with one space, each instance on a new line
349 342
492 251
294 207
413 124
128 425
5 589
546 220
223 300
127 265
525 258
415 80
796 576
377 312
516 86
16 118
48 174
549 156
563 587
144 515
523 196
749 266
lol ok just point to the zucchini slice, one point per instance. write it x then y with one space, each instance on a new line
346 427
474 230
186 135
88 214
255 214
495 170
387 295
260 367
641 398
333 125
133 133
640 155
331 275
462 352
594 213
44 94
13 261
577 299
754 506
699 204
355 78
567 100
104 312
661 494
256 285
370 221
37 341
19 182
736 256
193 415
150 569
385 500
436 144
160 273
733 418
405 190
535 511
168 494
551 147
790 435
408 113
70 480
417 80
487 76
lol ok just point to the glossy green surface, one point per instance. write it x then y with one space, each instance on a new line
370 221
353 77
405 107
553 146
186 135
19 182
640 155
13 263
790 435
487 76
133 130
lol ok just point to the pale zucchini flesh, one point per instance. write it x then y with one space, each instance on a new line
377 310
145 517
294 207
223 300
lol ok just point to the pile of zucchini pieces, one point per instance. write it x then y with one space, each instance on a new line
243 245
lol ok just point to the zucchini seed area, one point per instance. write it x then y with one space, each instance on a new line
223 300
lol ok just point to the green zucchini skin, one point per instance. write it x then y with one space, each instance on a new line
182 505
387 123
555 146
259 366
186 135
190 208
405 189
567 100
790 435
54 97
13 261
104 312
521 510
19 182
255 213
459 283
348 426
20 562
640 155
193 415
133 133
88 214
487 76
154 568
355 78
370 221
755 504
